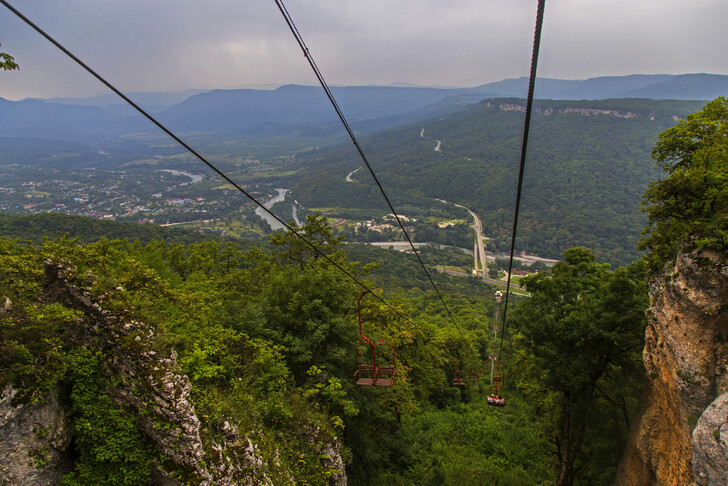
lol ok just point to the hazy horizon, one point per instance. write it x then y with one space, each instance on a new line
170 46
272 87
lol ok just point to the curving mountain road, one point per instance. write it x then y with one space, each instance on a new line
348 178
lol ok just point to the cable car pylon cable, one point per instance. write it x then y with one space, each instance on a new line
330 96
199 156
524 146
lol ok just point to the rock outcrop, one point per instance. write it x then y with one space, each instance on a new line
676 437
150 384
35 438
578 111
710 444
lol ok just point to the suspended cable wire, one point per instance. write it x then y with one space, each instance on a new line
199 156
524 145
330 96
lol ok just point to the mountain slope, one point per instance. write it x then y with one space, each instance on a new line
593 88
588 165
35 118
289 105
684 87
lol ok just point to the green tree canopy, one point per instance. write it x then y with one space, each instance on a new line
691 204
577 340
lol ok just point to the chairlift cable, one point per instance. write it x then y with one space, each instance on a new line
355 141
524 145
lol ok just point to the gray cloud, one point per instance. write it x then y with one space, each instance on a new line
168 45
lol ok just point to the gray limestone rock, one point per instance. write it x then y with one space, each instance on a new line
710 444
33 441
35 437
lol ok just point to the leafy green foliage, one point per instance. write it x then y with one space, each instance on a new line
474 444
460 235
577 343
7 62
317 231
690 206
268 341
31 349
179 292
111 448
35 228
31 354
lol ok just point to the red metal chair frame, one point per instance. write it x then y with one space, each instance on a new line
498 381
371 374
496 387
457 375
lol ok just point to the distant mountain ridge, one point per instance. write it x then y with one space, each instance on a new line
250 111
294 104
54 121
153 98
653 86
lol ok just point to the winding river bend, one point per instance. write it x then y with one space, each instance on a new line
194 178
294 211
274 224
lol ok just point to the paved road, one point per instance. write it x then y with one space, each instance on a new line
479 245
348 178
479 249
396 245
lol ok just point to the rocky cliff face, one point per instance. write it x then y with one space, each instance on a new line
680 435
35 442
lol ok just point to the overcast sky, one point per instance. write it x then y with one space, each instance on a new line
173 45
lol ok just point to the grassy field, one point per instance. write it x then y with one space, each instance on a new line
237 227
454 268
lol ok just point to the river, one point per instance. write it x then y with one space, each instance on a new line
294 212
195 178
274 224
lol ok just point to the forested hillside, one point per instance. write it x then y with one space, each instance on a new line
38 227
267 340
587 167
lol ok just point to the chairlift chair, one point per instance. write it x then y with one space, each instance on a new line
495 398
369 373
366 374
457 376
497 385
385 372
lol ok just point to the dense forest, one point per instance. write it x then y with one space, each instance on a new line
268 340
37 227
